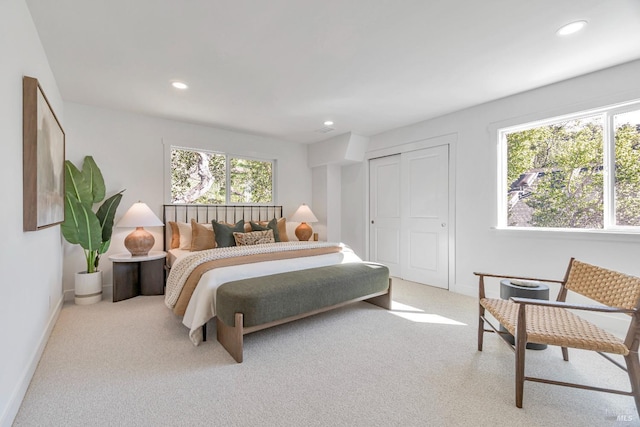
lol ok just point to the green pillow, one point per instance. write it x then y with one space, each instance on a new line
272 225
224 233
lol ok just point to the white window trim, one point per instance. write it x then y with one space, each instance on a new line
609 227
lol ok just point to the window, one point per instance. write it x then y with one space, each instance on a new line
204 177
557 173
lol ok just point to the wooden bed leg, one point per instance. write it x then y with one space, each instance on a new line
383 301
231 337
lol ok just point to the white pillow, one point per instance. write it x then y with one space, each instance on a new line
185 235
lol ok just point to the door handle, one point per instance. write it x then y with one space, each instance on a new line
444 224
372 221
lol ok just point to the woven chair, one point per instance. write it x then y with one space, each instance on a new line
549 322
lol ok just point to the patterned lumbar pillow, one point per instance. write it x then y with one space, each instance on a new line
254 237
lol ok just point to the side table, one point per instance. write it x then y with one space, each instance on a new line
508 290
138 275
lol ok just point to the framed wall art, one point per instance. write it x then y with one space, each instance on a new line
43 159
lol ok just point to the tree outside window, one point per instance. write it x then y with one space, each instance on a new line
556 173
201 177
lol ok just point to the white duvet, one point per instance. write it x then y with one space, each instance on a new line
202 305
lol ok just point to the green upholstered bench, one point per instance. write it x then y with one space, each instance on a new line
250 305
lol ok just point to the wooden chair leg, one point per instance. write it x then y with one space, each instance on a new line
565 354
633 369
521 345
480 328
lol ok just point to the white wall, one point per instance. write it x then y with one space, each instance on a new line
326 202
478 246
319 201
31 262
353 207
129 149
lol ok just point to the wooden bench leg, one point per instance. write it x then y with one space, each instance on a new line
383 301
231 337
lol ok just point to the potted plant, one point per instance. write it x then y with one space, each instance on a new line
91 230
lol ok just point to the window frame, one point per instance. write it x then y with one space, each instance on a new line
608 134
228 157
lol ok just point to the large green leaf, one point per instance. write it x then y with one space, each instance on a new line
94 178
87 232
69 227
106 214
76 184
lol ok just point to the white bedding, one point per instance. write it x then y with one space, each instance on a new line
202 305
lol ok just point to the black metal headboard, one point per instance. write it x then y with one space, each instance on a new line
207 213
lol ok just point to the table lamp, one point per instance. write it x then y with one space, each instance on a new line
303 215
139 241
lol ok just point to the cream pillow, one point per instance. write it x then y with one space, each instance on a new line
184 231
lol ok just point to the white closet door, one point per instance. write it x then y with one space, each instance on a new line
384 212
424 214
409 210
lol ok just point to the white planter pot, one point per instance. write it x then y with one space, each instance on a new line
88 287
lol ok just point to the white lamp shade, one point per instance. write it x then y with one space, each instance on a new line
303 214
139 215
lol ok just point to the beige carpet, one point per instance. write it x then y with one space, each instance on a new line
132 364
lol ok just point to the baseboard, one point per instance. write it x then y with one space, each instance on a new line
11 410
469 290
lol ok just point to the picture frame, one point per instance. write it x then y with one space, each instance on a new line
43 159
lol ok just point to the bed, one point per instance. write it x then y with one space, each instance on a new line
198 267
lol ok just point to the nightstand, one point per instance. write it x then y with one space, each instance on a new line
137 275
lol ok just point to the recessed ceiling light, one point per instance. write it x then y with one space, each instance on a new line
328 123
179 85
571 28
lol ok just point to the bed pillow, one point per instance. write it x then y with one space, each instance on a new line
224 233
282 229
202 236
180 235
271 225
254 237
175 235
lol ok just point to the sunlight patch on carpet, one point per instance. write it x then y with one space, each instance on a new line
419 316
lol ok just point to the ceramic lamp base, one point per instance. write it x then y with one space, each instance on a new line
139 242
304 232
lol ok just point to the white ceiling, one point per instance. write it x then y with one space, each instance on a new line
282 67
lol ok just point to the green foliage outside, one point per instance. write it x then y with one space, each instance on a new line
568 160
251 181
200 177
627 170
